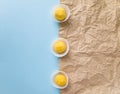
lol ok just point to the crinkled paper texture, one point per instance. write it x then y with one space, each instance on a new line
93 32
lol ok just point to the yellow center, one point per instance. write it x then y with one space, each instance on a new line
60 14
59 47
60 80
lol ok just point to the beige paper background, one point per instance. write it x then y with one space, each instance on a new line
93 32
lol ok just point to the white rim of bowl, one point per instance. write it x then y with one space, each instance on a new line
67 11
63 54
52 79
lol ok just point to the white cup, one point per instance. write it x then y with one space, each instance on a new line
54 75
63 54
66 9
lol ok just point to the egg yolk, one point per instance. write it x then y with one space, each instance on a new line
60 80
60 14
59 47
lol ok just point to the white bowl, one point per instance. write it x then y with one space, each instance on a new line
66 9
63 54
53 76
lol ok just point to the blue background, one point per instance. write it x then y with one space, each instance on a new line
26 33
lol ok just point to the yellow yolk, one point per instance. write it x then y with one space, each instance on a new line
60 80
59 47
60 14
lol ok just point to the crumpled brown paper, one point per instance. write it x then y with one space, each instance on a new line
93 32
